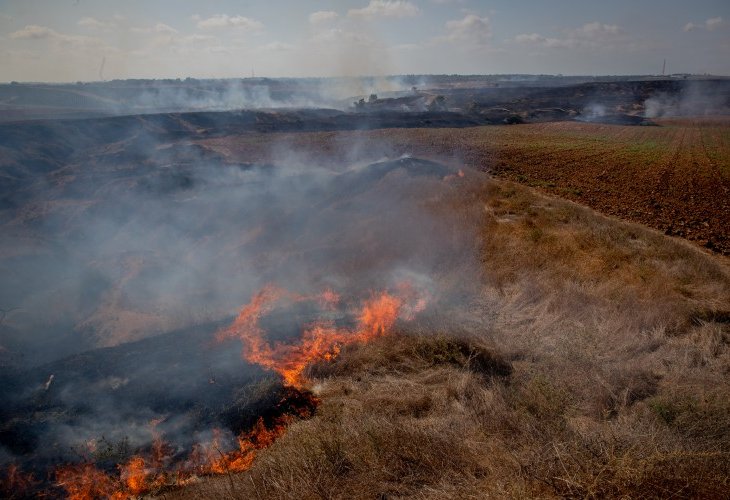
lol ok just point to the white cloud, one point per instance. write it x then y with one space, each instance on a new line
219 49
472 30
386 8
35 32
592 35
711 24
323 16
164 28
201 38
537 39
91 22
596 29
278 47
335 37
225 21
529 38
714 23
160 28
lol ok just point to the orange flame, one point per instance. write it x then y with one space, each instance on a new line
86 482
319 341
135 476
249 443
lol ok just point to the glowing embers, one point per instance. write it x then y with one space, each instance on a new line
321 338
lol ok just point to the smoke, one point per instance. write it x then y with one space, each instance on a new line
231 94
697 98
186 237
592 112
143 243
133 97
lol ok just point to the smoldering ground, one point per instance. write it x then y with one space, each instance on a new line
121 262
694 98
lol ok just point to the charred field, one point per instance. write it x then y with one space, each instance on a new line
520 294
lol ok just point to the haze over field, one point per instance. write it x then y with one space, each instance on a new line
364 249
49 40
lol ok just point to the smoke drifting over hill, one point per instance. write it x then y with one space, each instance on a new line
116 237
120 250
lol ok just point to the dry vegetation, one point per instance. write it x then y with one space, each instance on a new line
675 177
594 363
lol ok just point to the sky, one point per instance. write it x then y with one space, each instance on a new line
84 40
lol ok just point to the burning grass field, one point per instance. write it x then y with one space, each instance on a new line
674 177
337 323
594 363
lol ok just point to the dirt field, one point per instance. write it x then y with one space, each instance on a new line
675 177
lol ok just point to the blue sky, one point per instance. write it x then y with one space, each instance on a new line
67 40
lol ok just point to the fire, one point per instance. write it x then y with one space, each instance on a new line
378 316
135 476
86 482
321 340
458 174
249 443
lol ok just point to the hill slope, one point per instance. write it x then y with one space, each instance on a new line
594 364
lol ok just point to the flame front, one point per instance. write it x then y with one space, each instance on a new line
321 340
86 482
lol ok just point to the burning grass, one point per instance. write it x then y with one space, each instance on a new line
593 364
159 470
337 324
321 339
585 357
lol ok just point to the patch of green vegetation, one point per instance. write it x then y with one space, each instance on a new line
665 410
570 190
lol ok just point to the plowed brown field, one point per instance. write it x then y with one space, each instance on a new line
674 177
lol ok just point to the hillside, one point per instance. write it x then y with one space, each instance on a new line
311 305
593 364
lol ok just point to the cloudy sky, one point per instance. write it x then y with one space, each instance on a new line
69 40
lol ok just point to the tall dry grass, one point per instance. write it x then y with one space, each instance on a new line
593 362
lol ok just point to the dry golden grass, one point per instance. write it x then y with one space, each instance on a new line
594 362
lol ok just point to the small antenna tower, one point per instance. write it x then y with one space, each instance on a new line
664 67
